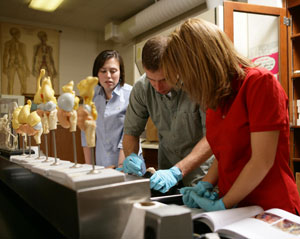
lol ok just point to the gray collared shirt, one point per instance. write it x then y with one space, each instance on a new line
179 121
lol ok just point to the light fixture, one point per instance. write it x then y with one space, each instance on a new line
45 5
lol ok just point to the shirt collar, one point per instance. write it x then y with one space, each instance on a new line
99 90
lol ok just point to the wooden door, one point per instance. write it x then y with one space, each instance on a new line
231 7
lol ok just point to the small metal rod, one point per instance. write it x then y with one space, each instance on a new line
93 171
54 147
74 151
29 141
46 147
39 151
23 137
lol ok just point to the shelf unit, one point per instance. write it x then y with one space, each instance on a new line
293 14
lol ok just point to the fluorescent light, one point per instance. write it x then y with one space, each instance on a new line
45 5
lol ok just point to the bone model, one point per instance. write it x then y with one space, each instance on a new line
87 114
46 101
68 104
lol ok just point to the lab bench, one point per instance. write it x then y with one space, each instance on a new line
52 210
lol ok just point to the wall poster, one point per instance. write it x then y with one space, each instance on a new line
24 51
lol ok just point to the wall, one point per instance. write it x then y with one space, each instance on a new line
78 49
131 51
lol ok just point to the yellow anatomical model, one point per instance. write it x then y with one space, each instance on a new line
15 119
34 122
46 101
68 104
87 114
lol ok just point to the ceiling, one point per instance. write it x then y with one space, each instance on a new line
87 14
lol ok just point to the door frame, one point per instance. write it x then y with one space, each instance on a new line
231 7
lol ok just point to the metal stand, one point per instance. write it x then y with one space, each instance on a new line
46 146
39 152
74 152
29 141
23 137
54 147
93 171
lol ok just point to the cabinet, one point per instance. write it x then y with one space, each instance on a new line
289 58
293 14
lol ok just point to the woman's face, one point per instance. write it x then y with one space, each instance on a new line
109 74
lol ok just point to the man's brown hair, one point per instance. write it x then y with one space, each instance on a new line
153 51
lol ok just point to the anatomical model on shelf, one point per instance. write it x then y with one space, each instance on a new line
67 115
17 126
68 104
6 130
87 114
30 124
46 108
46 101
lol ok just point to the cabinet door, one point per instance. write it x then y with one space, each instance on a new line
258 33
293 13
262 25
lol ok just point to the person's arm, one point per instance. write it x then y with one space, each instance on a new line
121 158
200 153
87 155
130 144
264 147
212 175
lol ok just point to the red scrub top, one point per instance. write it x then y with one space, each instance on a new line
259 104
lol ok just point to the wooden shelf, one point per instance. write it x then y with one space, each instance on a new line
293 3
295 126
295 36
294 76
296 159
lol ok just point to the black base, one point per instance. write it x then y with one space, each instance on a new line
8 152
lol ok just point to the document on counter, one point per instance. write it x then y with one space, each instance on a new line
251 222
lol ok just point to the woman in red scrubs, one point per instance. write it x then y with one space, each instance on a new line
246 119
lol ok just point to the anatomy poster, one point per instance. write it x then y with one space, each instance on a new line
24 51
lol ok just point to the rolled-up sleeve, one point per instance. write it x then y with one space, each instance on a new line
137 113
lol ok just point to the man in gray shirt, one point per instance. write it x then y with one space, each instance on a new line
180 124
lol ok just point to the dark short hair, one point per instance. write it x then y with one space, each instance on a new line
103 57
153 51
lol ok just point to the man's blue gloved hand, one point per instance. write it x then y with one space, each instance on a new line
208 204
202 189
163 180
134 164
120 169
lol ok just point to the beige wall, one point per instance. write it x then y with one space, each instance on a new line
77 51
78 47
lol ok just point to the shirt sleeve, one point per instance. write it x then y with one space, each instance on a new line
137 112
203 121
267 103
120 145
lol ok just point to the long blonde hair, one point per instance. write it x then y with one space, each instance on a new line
201 59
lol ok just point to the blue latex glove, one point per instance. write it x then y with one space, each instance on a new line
202 189
134 164
163 180
208 204
120 169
